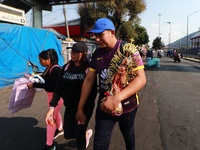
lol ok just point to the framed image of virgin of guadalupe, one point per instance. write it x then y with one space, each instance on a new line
122 70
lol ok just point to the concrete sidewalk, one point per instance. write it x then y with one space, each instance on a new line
26 129
192 59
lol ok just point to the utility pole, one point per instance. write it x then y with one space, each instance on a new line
66 22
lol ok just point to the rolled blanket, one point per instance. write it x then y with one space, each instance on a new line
153 62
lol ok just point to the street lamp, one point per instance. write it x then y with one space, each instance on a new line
169 32
181 40
159 34
187 31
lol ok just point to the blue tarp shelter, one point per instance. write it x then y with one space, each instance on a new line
20 45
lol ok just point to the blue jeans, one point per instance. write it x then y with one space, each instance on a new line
104 126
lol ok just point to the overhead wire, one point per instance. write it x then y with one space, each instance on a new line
48 14
51 12
53 19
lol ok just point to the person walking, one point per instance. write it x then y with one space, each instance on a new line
121 75
69 88
49 59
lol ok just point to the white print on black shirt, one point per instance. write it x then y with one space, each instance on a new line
104 84
74 76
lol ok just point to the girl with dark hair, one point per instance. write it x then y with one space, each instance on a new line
49 54
49 59
69 88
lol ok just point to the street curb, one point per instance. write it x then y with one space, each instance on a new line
192 59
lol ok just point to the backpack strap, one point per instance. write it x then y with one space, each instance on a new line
66 67
56 65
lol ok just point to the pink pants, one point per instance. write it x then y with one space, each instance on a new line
57 117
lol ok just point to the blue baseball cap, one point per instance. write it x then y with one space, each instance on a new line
102 24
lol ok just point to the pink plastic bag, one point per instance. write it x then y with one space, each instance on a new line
21 97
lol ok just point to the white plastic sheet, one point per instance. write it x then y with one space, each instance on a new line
21 97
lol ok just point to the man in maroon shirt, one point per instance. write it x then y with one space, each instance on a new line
112 55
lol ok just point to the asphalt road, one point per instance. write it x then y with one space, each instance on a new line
177 95
167 118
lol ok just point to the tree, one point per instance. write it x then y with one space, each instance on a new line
157 43
142 35
126 31
123 13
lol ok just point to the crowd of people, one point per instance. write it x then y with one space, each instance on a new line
153 57
119 69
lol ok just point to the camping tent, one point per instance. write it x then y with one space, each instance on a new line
19 47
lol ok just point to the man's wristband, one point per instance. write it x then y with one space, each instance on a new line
51 107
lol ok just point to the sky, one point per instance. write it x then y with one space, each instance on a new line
174 11
177 12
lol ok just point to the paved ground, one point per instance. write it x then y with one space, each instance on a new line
25 130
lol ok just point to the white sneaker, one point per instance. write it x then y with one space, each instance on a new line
58 133
88 135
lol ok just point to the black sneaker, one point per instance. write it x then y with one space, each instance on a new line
58 133
47 147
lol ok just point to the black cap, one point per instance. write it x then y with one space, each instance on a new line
79 47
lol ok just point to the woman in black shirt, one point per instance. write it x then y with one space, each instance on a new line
49 59
69 88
